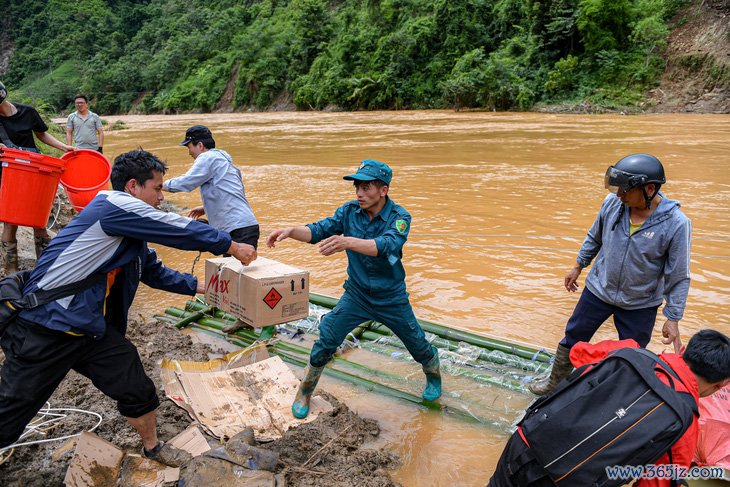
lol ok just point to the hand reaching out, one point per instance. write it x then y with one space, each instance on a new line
277 236
196 212
243 252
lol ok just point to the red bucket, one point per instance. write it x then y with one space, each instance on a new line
29 183
87 172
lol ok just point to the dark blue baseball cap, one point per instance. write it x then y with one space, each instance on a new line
370 170
196 133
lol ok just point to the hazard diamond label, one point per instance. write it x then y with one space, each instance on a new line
272 298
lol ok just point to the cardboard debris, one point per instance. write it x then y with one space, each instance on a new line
224 402
192 441
67 445
98 463
173 386
264 293
95 463
138 471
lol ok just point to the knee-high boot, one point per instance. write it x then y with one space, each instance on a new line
433 377
561 369
300 408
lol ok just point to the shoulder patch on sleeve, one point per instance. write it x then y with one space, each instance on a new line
401 225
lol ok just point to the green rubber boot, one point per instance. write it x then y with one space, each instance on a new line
300 408
267 332
433 377
561 369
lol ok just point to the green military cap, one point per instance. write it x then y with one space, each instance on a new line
371 170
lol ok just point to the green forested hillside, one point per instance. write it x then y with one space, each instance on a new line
173 55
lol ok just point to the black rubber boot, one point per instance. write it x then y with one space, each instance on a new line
561 369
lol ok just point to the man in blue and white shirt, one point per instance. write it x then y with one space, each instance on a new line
86 331
221 187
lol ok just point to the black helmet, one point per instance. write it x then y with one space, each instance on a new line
635 170
3 92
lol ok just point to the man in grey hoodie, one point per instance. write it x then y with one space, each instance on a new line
641 243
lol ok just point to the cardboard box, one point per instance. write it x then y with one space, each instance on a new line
264 293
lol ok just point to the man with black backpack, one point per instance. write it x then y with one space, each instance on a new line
631 409
104 252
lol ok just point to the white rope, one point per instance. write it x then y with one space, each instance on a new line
57 206
46 417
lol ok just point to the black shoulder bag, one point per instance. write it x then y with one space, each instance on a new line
13 302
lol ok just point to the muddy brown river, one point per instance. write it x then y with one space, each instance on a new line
500 204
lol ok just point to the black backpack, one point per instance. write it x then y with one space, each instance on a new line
13 302
617 413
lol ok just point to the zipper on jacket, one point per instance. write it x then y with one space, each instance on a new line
623 261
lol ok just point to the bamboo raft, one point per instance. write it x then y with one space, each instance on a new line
485 377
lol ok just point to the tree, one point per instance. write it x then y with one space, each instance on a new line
604 25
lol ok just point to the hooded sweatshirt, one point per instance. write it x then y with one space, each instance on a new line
640 270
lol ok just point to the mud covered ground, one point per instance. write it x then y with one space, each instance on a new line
330 451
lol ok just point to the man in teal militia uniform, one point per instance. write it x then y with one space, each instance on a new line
372 230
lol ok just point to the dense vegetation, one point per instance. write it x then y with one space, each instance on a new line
172 55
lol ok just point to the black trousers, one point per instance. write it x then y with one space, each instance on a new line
37 359
590 313
518 467
248 235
